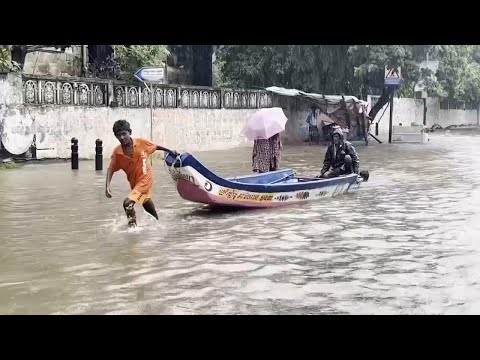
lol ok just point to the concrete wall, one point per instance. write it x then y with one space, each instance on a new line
406 111
456 117
180 129
10 89
296 129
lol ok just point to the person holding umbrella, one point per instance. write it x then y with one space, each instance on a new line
264 129
266 154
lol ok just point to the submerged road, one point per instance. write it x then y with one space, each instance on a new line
406 242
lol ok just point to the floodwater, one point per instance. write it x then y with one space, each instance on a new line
406 242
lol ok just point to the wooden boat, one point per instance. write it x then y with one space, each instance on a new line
198 184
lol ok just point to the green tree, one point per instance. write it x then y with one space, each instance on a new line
311 68
6 63
458 75
369 62
327 69
131 58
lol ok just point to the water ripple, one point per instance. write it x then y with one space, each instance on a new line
406 242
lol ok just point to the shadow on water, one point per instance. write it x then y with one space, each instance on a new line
213 212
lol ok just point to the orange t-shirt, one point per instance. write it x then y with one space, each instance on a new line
138 169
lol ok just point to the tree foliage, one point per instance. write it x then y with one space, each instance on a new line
314 67
353 69
458 75
328 69
131 58
6 63
369 62
126 61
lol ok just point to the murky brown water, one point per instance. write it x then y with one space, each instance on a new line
403 243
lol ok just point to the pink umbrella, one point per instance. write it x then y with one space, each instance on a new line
265 123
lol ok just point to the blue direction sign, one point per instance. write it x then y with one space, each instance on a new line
150 74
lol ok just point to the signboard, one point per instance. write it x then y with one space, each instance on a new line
393 76
150 74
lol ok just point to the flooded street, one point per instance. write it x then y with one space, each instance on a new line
403 243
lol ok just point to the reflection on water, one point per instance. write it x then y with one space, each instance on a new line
403 243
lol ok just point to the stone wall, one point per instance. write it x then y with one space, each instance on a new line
180 129
68 63
184 118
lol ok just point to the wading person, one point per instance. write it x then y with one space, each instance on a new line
341 157
132 156
266 154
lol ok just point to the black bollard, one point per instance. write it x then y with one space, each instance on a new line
98 155
74 154
33 147
33 151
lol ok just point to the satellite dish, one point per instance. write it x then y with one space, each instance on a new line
17 136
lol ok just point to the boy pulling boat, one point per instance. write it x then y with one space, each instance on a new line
132 156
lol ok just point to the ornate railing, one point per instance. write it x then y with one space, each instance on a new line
246 99
39 90
65 91
127 95
200 98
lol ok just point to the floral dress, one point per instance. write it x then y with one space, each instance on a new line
266 154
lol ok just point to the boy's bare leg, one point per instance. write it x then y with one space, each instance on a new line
150 208
128 206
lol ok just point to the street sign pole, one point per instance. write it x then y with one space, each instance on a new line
150 75
393 79
151 112
390 125
151 118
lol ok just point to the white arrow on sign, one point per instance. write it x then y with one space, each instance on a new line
150 74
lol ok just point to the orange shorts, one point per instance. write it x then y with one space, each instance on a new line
140 196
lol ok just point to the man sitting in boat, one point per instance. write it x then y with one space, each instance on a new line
341 157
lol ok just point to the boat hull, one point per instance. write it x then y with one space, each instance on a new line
196 183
